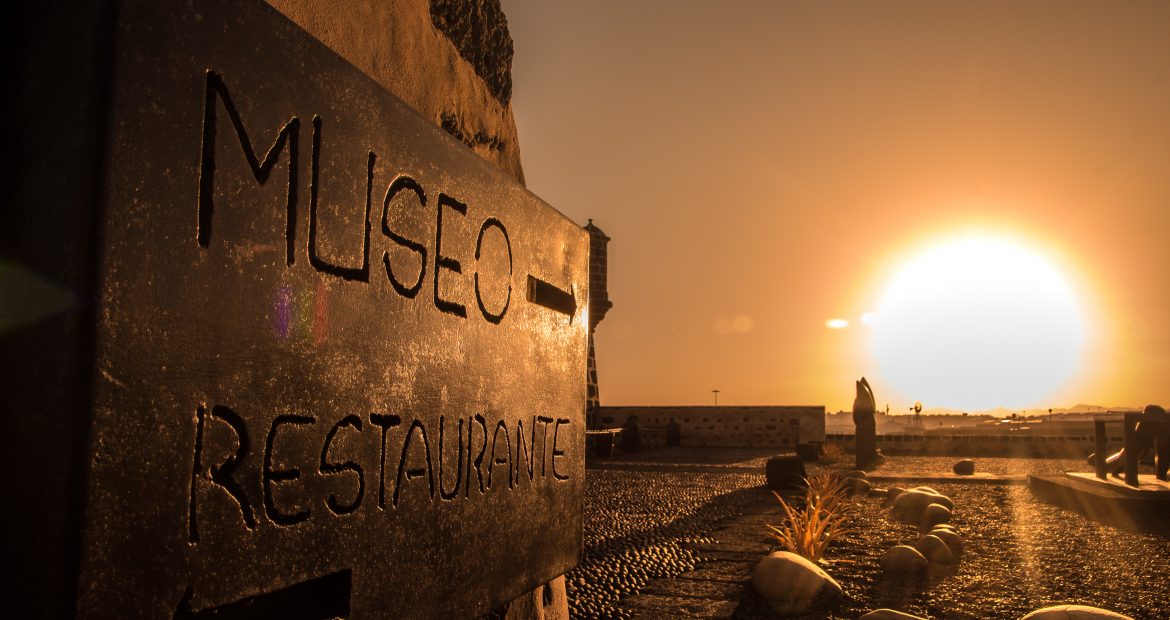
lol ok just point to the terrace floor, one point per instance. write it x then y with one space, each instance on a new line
676 532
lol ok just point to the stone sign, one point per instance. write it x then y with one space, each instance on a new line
338 361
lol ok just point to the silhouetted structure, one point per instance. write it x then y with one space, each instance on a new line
599 304
864 409
1146 432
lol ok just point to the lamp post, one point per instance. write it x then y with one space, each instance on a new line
716 393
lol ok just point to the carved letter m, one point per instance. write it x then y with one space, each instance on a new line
260 169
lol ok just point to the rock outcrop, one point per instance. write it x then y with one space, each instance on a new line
450 60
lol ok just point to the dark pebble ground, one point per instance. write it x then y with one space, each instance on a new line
1021 554
635 526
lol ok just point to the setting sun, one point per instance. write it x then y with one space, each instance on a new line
977 323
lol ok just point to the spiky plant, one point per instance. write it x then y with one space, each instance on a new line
807 531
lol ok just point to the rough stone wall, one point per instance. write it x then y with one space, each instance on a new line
479 31
419 50
729 427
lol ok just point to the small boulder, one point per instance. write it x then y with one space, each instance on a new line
903 559
965 467
892 493
858 486
910 505
933 515
784 473
952 539
934 549
792 583
936 497
889 614
911 502
1074 612
856 473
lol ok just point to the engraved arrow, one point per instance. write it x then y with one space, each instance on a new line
544 294
315 599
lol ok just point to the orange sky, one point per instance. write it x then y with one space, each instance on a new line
779 160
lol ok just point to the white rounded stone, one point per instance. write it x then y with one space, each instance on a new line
935 549
892 493
945 501
951 538
935 514
889 614
859 486
1074 612
791 582
910 505
903 559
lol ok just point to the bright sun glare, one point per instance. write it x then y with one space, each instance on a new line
978 323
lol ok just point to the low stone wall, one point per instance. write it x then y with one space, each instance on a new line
780 427
1041 446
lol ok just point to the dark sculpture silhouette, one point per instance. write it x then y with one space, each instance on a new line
630 439
1153 431
865 437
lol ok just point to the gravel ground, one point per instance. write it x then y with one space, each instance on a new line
757 457
1021 554
991 465
635 524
